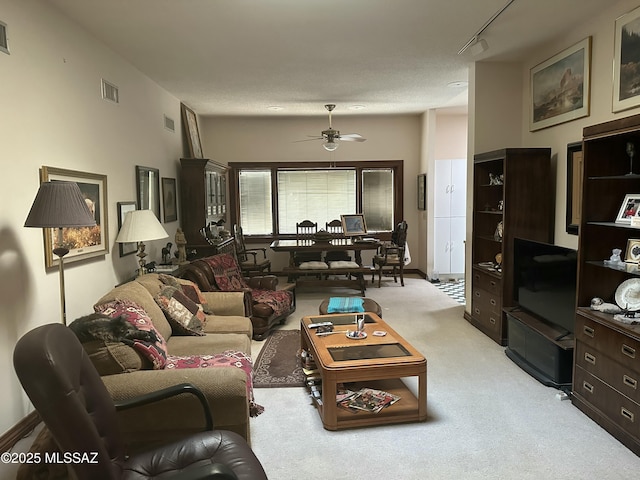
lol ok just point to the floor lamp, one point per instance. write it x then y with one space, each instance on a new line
141 226
60 205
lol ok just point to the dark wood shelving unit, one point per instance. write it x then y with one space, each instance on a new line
607 358
523 202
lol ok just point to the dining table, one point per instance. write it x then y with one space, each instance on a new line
293 246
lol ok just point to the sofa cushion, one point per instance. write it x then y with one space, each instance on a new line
190 289
185 316
154 352
229 358
111 358
137 293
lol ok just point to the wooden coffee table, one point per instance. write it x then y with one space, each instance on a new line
378 362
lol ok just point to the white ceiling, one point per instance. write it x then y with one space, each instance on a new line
238 57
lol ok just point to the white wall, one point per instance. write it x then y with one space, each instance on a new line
274 138
53 114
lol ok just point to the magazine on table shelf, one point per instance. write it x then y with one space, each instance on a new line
365 399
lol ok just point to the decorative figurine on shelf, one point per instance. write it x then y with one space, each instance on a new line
496 179
615 260
600 305
501 205
181 243
166 254
498 233
631 151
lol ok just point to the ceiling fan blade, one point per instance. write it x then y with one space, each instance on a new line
352 137
308 139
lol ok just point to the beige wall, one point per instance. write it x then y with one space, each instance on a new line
52 114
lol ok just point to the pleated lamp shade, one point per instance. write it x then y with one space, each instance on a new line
59 205
141 226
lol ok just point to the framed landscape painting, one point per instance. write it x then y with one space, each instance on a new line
626 64
190 125
560 87
82 242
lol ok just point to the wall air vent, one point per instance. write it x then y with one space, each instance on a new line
4 45
169 124
110 92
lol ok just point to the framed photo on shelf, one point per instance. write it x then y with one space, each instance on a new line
123 209
82 242
170 209
629 208
353 225
560 87
625 64
422 189
633 251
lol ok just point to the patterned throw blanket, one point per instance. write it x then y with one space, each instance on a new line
228 277
345 305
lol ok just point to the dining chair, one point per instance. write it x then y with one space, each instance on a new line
305 230
334 227
392 255
250 262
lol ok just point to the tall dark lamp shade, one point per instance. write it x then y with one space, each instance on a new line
60 205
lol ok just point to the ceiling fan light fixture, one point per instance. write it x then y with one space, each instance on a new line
330 145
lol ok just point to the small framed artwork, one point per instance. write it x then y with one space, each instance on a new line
169 203
190 126
83 242
625 61
629 208
574 186
422 189
353 225
633 251
148 189
123 209
560 87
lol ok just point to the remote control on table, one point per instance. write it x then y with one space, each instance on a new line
320 324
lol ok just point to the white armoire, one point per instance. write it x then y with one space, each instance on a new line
450 198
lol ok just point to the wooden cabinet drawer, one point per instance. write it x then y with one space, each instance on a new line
485 281
487 309
624 412
620 377
621 348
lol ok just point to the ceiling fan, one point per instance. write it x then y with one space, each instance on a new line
330 135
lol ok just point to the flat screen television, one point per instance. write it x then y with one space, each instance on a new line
544 281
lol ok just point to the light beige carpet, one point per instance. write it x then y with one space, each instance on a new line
488 419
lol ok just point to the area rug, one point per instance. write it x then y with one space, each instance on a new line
277 364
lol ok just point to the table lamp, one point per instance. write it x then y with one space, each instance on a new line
140 226
60 205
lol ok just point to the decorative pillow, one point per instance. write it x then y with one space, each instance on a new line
313 266
345 305
226 272
343 264
228 358
185 316
155 352
190 289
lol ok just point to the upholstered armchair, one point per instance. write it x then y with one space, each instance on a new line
391 255
265 304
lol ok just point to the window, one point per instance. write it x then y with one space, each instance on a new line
272 197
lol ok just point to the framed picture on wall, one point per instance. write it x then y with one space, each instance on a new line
560 87
422 191
148 189
123 209
190 126
626 63
82 242
170 208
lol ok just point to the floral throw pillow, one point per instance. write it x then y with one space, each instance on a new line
185 316
154 352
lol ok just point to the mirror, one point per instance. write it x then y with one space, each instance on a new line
148 189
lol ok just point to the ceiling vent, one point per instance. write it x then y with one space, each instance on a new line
4 46
169 124
110 92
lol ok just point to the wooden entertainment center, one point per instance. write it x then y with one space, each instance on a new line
607 358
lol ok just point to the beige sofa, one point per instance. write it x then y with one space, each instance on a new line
225 387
